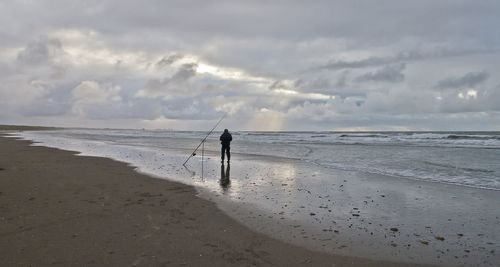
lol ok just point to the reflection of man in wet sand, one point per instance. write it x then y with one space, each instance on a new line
224 176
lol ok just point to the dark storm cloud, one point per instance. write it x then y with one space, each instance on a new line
168 60
390 73
281 85
176 82
470 79
401 57
368 62
319 84
185 72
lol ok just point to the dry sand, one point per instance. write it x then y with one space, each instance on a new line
59 209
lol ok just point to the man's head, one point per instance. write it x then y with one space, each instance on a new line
226 131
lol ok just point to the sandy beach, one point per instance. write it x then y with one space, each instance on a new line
62 210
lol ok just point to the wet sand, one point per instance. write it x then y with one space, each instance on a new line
378 217
62 210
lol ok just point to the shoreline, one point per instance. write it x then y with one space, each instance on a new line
97 211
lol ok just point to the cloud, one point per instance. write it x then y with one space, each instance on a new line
490 97
390 73
98 64
91 93
168 60
316 85
401 57
470 79
42 50
94 100
283 84
51 101
185 72
342 80
173 85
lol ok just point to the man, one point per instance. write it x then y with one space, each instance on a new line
225 140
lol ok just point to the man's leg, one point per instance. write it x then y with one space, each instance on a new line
228 152
222 153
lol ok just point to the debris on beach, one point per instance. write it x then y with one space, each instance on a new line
440 238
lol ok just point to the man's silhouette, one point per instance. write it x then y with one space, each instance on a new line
225 141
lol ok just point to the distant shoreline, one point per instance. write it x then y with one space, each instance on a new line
8 127
26 128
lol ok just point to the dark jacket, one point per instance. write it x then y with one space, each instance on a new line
225 139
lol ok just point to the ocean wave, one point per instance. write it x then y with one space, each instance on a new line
458 168
362 135
473 137
413 174
318 136
454 136
268 134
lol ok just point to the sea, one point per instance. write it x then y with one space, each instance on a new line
461 158
367 194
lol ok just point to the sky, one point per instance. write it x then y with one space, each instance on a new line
268 65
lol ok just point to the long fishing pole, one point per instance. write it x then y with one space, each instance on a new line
203 141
